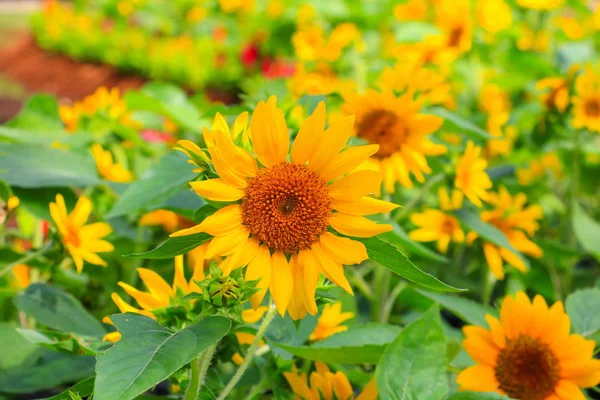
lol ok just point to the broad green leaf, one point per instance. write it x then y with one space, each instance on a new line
399 238
39 113
460 123
587 231
160 183
152 353
31 136
33 166
13 347
583 308
360 344
390 257
58 310
414 366
487 231
4 191
173 247
477 396
83 389
468 310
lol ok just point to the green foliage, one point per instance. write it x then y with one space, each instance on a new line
399 238
468 310
82 389
153 353
174 246
586 230
460 123
582 307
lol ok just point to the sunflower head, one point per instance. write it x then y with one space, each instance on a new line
471 177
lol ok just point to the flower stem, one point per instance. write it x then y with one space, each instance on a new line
251 351
25 258
199 367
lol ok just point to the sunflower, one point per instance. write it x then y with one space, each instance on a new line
330 322
107 168
494 15
278 211
586 104
81 241
471 177
453 17
529 354
395 124
517 221
437 225
326 385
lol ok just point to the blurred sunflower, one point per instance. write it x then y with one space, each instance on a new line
107 168
586 103
517 221
437 225
454 18
280 211
330 322
471 177
529 353
555 93
395 124
537 169
494 15
81 241
325 385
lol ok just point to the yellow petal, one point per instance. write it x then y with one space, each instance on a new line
357 226
227 244
223 221
260 269
145 300
343 250
341 386
330 143
493 259
567 390
311 272
155 284
478 378
251 316
309 134
179 280
369 392
355 185
270 137
333 270
241 256
364 206
281 282
217 190
81 212
346 161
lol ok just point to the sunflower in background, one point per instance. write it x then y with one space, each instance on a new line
278 210
454 18
330 322
529 354
586 102
471 177
108 168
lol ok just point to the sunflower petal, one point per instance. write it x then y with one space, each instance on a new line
270 137
217 190
357 226
281 285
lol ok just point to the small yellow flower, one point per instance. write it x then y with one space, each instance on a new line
501 146
537 169
555 93
471 177
326 385
412 10
81 241
494 15
330 322
169 220
195 15
529 333
586 103
439 226
454 19
107 168
12 203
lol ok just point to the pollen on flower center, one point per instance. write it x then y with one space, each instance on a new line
286 207
527 369
383 128
592 108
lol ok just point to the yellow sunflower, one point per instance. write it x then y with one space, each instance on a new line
494 15
454 18
517 221
586 103
107 168
529 354
279 210
81 241
326 385
437 225
330 322
471 177
395 124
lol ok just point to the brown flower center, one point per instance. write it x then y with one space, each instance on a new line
527 369
449 225
455 36
592 108
384 128
286 207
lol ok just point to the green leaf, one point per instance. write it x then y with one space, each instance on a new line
487 231
4 191
57 309
582 307
477 396
390 257
360 344
160 183
83 389
33 166
468 310
37 200
460 123
13 347
40 113
400 239
153 353
173 247
414 365
587 231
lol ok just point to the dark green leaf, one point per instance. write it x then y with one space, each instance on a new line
57 309
173 247
460 123
4 191
360 344
583 308
468 310
587 231
83 389
487 231
160 183
390 257
153 353
414 365
33 166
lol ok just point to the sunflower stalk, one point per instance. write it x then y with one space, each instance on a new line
199 368
250 354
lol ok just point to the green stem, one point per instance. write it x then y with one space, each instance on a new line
401 213
488 288
204 361
25 258
359 282
199 368
388 306
574 202
250 354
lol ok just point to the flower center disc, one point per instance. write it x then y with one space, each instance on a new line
527 369
592 108
287 207
384 128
